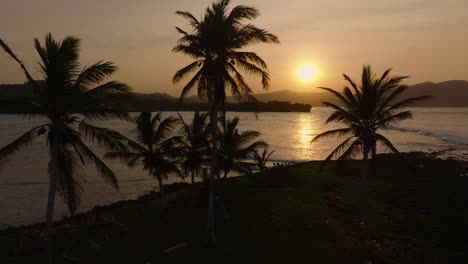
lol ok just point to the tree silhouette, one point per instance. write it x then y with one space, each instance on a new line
215 45
67 99
364 109
262 159
237 147
194 144
154 148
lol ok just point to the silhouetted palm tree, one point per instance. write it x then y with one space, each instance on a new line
66 98
364 109
215 44
237 148
261 160
154 147
194 144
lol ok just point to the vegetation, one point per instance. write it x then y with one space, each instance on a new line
194 144
215 44
416 214
416 208
261 160
154 147
237 148
365 109
67 99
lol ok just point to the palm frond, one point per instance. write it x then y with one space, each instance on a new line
354 149
108 138
68 186
339 133
29 77
187 15
338 95
94 74
8 151
105 172
189 86
338 151
182 73
189 50
107 90
385 142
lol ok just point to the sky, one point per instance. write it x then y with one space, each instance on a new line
425 39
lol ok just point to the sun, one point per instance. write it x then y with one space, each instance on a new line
307 73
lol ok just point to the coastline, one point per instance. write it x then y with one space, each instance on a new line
408 204
408 157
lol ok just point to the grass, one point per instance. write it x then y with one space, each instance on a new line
415 213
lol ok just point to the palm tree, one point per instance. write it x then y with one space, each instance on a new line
194 144
67 99
236 147
154 148
215 45
261 160
364 109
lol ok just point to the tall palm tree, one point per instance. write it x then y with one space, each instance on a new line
67 99
216 44
237 147
194 144
364 109
262 159
154 147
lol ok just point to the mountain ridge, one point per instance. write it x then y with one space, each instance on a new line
451 93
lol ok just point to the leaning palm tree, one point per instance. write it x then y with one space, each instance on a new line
215 45
66 100
237 148
154 147
194 144
363 110
262 159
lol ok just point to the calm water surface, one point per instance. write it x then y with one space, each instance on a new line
23 181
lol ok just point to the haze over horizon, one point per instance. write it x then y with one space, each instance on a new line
424 39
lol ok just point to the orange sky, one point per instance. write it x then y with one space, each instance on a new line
427 39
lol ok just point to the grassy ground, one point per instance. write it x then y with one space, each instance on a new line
416 213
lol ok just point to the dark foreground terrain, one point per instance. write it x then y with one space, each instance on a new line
416 213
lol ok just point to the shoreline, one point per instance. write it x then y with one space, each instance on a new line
409 205
179 186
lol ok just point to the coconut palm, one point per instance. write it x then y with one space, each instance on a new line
364 109
237 148
154 147
215 45
262 159
66 100
194 144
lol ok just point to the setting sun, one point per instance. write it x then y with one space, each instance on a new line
307 73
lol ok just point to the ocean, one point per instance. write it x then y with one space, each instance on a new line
24 180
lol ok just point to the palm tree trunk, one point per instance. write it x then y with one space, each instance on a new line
53 171
374 161
192 175
214 172
161 190
366 167
223 213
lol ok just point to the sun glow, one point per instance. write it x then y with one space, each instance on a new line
307 73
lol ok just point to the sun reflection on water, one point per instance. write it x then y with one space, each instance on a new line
307 127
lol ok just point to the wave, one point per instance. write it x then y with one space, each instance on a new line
454 139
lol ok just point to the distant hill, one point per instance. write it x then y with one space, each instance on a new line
154 97
444 94
15 90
